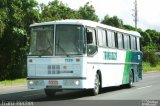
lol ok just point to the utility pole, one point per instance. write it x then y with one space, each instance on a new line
135 14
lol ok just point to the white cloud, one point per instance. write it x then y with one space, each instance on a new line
148 10
149 13
43 1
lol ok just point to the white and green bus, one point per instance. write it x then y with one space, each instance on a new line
82 54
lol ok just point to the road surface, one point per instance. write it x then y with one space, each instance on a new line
144 93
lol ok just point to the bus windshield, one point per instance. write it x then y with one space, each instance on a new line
69 40
41 41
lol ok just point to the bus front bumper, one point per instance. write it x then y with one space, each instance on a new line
57 84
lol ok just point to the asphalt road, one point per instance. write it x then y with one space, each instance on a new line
144 93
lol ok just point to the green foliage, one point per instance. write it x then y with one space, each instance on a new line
155 37
88 12
147 67
3 16
10 82
56 10
16 16
128 27
113 21
149 55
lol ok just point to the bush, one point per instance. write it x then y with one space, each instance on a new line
153 59
149 55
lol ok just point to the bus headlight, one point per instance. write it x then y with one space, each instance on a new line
76 82
30 82
36 82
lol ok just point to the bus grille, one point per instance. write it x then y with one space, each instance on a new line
56 69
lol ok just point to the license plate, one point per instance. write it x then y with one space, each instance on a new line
53 87
53 82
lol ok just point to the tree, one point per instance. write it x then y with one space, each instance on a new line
16 16
145 39
56 10
149 55
3 17
88 12
128 27
155 36
113 21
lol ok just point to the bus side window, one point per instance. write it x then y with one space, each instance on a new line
138 44
126 41
91 41
116 39
120 40
89 38
102 37
111 39
133 43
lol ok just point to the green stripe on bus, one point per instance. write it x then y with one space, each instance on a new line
127 68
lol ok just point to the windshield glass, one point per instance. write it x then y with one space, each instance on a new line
41 40
69 40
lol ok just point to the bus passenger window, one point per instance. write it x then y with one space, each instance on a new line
120 41
133 43
126 42
116 39
111 39
138 44
102 37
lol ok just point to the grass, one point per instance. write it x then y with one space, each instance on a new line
10 82
147 67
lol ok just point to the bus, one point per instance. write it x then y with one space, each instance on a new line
82 54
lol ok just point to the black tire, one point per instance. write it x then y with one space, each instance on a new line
96 88
50 92
131 80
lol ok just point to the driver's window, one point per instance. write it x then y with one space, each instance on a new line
91 33
91 41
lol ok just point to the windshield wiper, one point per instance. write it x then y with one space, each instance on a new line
45 51
50 45
59 46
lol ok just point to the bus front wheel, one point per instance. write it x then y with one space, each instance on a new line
96 88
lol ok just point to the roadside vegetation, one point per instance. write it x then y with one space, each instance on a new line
147 67
21 81
17 15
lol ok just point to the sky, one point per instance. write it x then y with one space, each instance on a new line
148 10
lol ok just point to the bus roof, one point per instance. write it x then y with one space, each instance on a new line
86 23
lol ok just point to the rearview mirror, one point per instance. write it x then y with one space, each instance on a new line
89 37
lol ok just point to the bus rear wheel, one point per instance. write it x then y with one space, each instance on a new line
131 80
50 92
96 88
